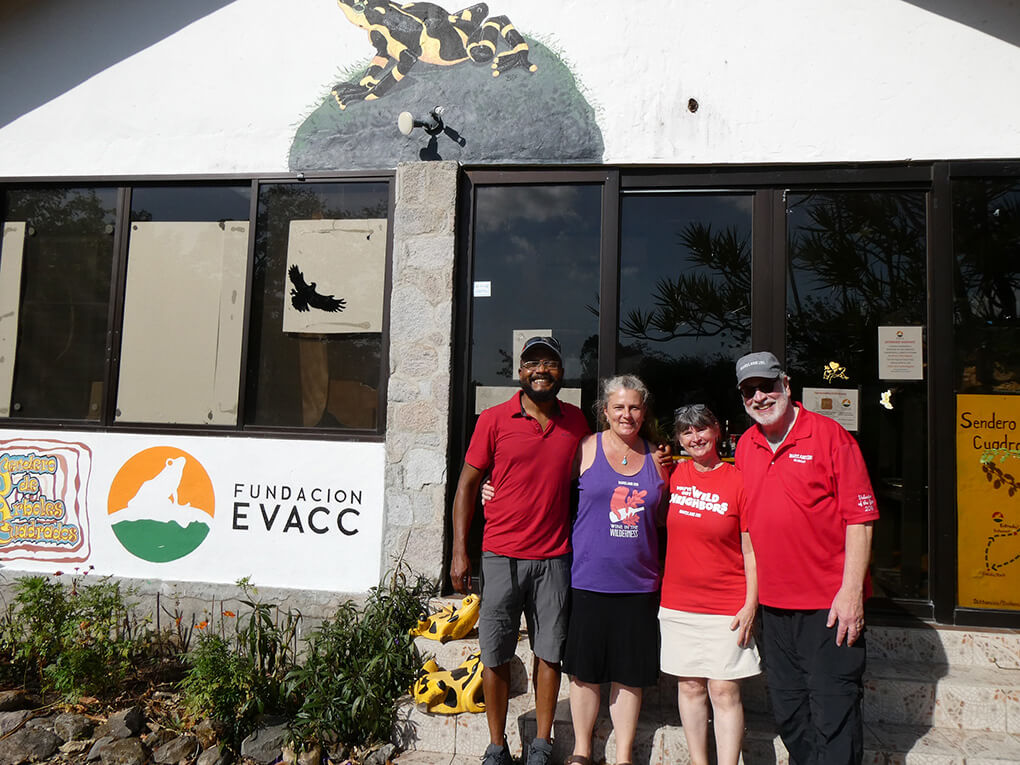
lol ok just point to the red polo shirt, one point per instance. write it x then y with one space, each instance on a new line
800 500
530 515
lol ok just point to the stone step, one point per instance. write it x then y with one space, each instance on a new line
665 744
899 692
920 700
943 645
908 707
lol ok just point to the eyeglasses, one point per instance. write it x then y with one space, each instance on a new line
687 409
747 390
550 364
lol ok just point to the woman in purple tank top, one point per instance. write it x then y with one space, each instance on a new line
615 577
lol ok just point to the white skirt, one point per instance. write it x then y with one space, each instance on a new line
703 645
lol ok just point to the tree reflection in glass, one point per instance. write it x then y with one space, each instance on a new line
685 297
986 240
856 261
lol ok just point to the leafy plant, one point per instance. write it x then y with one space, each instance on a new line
42 610
357 664
96 642
236 678
78 639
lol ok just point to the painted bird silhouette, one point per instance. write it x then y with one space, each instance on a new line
304 296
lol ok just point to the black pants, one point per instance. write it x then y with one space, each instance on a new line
815 687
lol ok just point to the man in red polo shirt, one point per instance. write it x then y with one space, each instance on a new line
528 446
810 511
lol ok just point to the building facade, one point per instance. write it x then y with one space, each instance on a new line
249 312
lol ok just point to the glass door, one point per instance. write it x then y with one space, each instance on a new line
535 270
856 315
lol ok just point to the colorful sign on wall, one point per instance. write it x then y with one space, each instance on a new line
42 513
988 501
301 514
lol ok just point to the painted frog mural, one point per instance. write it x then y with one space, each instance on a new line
507 96
405 33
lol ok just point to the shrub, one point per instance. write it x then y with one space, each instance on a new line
357 665
235 678
78 640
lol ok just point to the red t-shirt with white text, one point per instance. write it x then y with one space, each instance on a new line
704 559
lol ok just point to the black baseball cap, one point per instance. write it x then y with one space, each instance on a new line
548 342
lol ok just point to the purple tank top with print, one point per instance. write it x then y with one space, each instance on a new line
615 539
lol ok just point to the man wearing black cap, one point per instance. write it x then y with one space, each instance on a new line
810 511
528 446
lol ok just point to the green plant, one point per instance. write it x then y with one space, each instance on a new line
78 639
356 666
12 665
222 684
42 611
268 636
238 675
97 641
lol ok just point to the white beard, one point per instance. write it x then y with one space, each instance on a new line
771 415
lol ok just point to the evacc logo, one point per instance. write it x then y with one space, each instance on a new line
161 504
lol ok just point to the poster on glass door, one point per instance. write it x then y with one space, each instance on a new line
988 501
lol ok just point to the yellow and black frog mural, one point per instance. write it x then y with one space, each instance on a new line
404 34
505 97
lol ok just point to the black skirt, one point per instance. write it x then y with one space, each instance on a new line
613 638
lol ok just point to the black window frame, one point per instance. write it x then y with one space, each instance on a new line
124 186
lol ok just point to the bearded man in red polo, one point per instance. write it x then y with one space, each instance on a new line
528 446
810 512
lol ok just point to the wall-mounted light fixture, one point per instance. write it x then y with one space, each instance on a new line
406 122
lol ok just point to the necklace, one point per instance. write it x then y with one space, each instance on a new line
626 448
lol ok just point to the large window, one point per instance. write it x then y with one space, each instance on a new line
986 236
129 305
536 272
180 357
685 298
56 270
315 358
986 381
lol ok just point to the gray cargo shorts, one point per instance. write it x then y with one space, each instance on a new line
540 589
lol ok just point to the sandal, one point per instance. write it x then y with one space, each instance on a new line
578 759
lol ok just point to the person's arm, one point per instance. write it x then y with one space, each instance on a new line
663 455
744 619
584 457
463 512
848 605
662 509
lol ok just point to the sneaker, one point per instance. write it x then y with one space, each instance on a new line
539 752
497 754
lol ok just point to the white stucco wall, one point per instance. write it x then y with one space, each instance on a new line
799 81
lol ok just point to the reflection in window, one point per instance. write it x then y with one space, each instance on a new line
857 262
536 252
986 242
56 266
183 305
685 298
315 349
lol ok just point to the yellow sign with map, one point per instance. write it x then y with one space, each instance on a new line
988 501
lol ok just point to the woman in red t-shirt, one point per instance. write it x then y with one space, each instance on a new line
709 590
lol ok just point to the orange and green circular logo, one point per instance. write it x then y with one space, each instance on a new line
161 504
